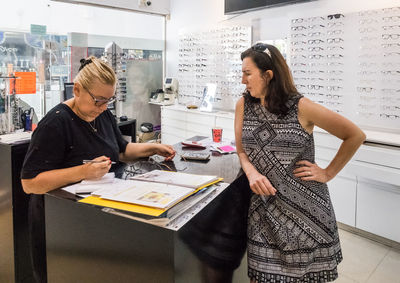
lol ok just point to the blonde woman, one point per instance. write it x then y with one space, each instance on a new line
80 128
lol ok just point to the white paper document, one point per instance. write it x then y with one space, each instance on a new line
106 179
176 178
147 194
90 186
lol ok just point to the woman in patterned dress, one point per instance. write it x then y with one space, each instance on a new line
292 232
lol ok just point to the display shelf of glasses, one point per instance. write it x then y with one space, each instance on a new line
212 56
116 58
8 103
350 63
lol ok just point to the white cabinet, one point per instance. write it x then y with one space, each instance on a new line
199 124
227 124
378 190
173 125
366 193
179 123
343 193
378 208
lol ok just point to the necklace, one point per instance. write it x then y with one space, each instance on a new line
93 126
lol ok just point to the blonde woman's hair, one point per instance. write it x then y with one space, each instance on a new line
93 68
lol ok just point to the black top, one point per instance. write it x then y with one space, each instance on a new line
64 140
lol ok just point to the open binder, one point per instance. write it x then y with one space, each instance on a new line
152 197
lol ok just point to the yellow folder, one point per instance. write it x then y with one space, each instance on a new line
135 207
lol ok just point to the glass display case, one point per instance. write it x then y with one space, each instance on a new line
47 56
139 74
54 60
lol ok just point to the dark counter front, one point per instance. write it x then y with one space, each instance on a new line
15 265
88 244
85 244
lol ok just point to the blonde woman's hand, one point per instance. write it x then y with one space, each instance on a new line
165 150
97 169
260 185
308 171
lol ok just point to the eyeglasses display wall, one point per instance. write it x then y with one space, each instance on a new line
212 56
115 57
350 63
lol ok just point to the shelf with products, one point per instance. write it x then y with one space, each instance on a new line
115 57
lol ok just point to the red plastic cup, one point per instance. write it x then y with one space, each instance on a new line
216 134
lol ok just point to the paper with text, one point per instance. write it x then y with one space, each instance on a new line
176 178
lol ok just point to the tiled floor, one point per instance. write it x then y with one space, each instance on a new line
365 261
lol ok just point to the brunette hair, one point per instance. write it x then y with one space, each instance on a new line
281 87
93 68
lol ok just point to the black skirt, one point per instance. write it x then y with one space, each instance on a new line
217 235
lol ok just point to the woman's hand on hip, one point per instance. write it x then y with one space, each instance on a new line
260 185
308 171
97 169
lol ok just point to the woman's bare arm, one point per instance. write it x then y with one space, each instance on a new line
311 114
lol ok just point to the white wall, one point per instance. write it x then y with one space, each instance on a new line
274 22
160 7
62 18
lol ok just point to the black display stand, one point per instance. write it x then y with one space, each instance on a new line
128 128
85 244
15 265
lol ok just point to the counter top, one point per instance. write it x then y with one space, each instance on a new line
217 165
16 137
216 112
384 138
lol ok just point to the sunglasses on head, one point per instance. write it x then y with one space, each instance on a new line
261 47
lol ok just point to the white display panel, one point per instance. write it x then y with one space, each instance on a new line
350 63
212 56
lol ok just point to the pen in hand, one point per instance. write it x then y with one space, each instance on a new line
96 161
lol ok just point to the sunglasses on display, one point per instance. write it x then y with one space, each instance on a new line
390 36
335 16
101 102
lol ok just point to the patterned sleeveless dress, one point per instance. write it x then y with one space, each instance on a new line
292 236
